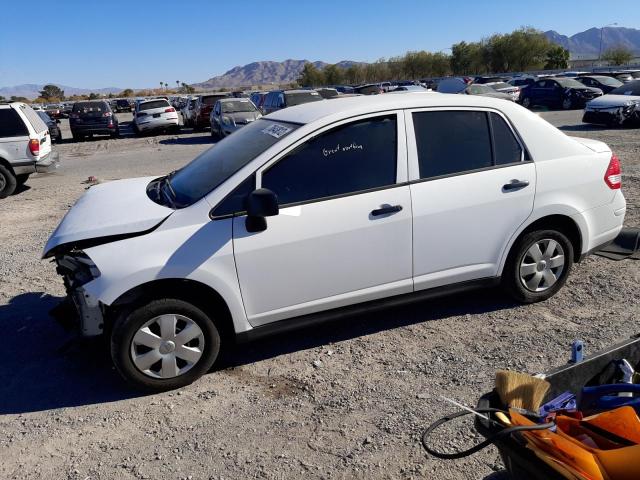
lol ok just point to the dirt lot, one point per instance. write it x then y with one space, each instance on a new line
271 410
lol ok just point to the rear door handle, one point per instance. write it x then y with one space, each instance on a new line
386 209
515 185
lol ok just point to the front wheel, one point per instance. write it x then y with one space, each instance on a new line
538 266
164 344
567 104
526 102
8 182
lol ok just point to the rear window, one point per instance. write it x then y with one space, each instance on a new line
87 107
154 104
36 122
299 98
122 102
212 99
11 125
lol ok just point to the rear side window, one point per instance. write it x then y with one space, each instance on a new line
154 104
351 158
11 125
32 117
451 142
506 147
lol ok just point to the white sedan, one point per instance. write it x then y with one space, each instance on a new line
314 210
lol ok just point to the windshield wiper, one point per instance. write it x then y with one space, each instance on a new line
169 192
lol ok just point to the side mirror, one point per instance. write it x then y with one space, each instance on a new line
261 203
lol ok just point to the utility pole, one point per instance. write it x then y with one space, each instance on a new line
601 32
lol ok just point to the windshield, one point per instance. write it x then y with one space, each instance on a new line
212 167
631 88
475 89
238 106
154 104
86 107
569 83
299 98
46 118
496 86
212 99
614 82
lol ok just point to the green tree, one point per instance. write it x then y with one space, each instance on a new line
311 76
127 92
557 58
187 88
618 55
50 92
18 99
2 99
93 96
333 75
354 74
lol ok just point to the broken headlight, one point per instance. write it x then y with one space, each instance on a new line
76 268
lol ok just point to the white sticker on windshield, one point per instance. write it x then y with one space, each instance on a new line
276 130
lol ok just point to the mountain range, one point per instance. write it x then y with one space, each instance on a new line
263 73
587 43
581 45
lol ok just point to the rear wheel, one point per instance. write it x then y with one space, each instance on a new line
116 134
567 103
8 182
526 102
164 344
538 266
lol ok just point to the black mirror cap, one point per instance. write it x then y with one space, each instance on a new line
262 203
255 224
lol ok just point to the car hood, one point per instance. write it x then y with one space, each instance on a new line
606 101
107 212
242 117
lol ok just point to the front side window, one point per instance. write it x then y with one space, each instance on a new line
350 158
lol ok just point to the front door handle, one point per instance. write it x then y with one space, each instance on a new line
386 209
515 185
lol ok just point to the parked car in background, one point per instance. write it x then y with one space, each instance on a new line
279 99
325 206
603 82
460 86
203 107
368 89
522 82
66 109
123 105
565 93
258 99
619 107
93 117
53 125
188 111
343 88
231 114
409 88
503 87
327 92
155 114
490 79
25 146
54 110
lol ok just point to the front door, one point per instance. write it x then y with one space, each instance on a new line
473 188
343 234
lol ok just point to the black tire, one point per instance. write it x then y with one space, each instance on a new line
526 102
567 104
8 182
128 323
77 137
116 134
511 277
22 178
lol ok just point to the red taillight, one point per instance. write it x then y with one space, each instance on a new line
613 175
168 110
34 147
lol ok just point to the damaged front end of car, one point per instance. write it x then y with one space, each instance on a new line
627 114
80 309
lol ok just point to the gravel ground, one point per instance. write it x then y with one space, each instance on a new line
347 400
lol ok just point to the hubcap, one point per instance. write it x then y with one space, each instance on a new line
167 346
542 265
3 183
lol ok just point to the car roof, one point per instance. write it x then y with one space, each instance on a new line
340 107
234 99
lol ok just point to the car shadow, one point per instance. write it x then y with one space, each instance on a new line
21 189
353 326
193 140
46 367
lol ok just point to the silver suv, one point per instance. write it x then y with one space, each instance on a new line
25 146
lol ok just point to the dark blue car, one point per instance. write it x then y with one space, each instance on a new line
603 82
565 93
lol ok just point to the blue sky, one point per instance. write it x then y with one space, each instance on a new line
138 43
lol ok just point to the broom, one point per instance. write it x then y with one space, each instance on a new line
520 390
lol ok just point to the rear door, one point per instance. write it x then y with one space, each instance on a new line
343 234
38 127
471 188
